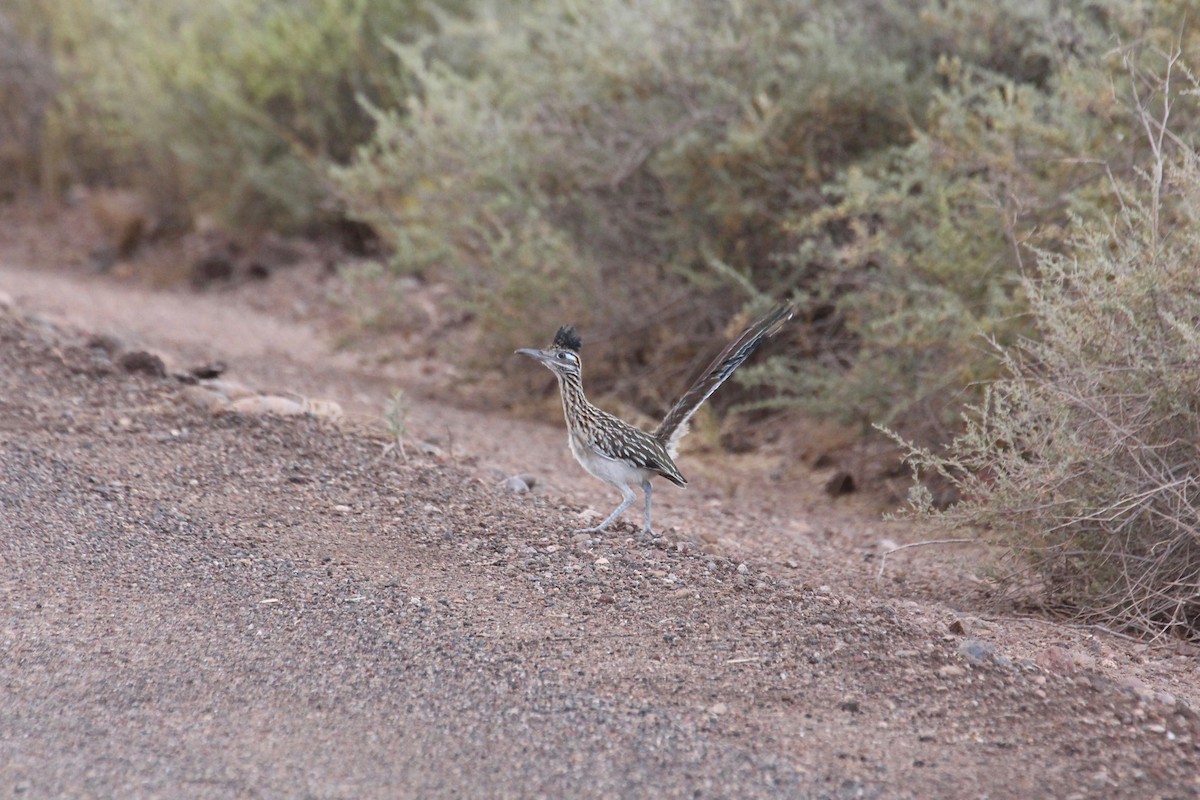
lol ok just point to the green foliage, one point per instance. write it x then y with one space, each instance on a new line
606 161
1083 457
232 107
621 150
27 88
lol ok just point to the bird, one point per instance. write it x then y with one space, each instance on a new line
621 454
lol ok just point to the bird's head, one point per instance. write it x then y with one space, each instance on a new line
562 356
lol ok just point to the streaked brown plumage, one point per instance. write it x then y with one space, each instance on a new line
615 451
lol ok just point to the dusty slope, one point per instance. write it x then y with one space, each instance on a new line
253 607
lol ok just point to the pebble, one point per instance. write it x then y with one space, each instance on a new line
325 409
717 709
951 671
204 399
1057 660
143 362
267 404
516 485
976 652
743 569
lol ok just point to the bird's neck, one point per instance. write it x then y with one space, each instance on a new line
576 407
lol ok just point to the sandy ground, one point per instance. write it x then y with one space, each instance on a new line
199 605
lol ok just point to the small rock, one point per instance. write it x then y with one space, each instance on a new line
791 564
530 480
852 706
430 449
515 485
146 363
976 652
957 628
1135 687
6 301
105 343
325 409
717 709
203 399
341 508
601 562
208 371
1057 660
951 671
211 268
743 569
607 599
267 404
841 483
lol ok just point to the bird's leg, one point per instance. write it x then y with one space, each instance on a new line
646 488
628 496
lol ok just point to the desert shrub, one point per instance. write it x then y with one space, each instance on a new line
659 165
27 88
232 107
1083 458
923 248
640 157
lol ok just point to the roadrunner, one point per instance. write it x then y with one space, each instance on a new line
615 451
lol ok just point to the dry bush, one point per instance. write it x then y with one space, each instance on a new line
1085 458
233 109
647 170
27 88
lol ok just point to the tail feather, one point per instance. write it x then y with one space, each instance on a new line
675 423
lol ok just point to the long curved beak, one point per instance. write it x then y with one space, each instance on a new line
537 355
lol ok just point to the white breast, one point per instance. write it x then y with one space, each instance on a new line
610 470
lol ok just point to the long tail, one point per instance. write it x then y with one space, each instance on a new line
675 423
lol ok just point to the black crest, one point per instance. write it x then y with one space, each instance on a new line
567 339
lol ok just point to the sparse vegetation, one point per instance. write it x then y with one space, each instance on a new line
231 108
1083 458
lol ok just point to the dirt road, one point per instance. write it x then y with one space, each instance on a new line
244 606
